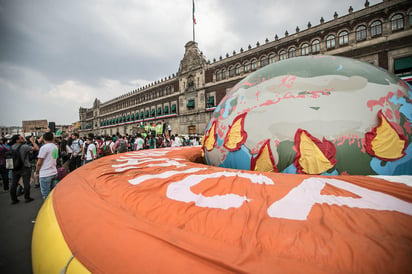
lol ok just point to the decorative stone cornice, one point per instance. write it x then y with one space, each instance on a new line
193 58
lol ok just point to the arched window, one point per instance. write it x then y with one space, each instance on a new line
376 28
292 52
305 49
282 55
254 64
246 66
343 38
223 74
410 18
397 22
237 69
217 75
360 33
330 42
315 46
231 71
271 58
263 61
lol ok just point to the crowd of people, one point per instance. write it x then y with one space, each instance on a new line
46 160
76 150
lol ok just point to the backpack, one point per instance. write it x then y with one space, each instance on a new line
61 173
122 146
13 159
159 142
107 150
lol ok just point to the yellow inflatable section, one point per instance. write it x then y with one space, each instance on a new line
50 253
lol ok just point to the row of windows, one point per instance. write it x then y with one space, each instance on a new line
140 99
153 112
314 47
143 114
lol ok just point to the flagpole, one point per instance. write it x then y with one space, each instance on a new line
193 19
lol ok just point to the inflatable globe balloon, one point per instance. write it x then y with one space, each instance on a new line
323 115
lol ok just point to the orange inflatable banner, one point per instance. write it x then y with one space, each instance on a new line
164 211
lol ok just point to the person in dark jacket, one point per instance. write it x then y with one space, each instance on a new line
25 171
3 171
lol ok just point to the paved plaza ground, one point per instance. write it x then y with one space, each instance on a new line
16 230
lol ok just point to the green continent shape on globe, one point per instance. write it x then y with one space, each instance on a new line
352 160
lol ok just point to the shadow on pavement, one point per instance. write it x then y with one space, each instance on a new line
16 230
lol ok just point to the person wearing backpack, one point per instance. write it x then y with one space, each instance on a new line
108 146
121 145
22 167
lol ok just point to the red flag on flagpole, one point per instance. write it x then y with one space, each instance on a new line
193 13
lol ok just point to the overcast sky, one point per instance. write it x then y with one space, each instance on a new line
57 56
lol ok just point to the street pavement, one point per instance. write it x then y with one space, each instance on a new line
16 229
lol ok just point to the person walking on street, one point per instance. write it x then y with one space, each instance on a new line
46 164
91 153
138 142
75 160
121 144
99 146
3 171
108 146
19 144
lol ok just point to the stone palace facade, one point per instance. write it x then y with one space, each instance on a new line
380 34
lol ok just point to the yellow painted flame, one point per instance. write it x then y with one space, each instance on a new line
211 139
387 144
312 160
234 136
264 161
202 140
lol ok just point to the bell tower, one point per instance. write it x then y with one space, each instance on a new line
191 76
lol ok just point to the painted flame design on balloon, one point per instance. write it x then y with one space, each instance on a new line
236 135
312 155
264 160
210 138
384 141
